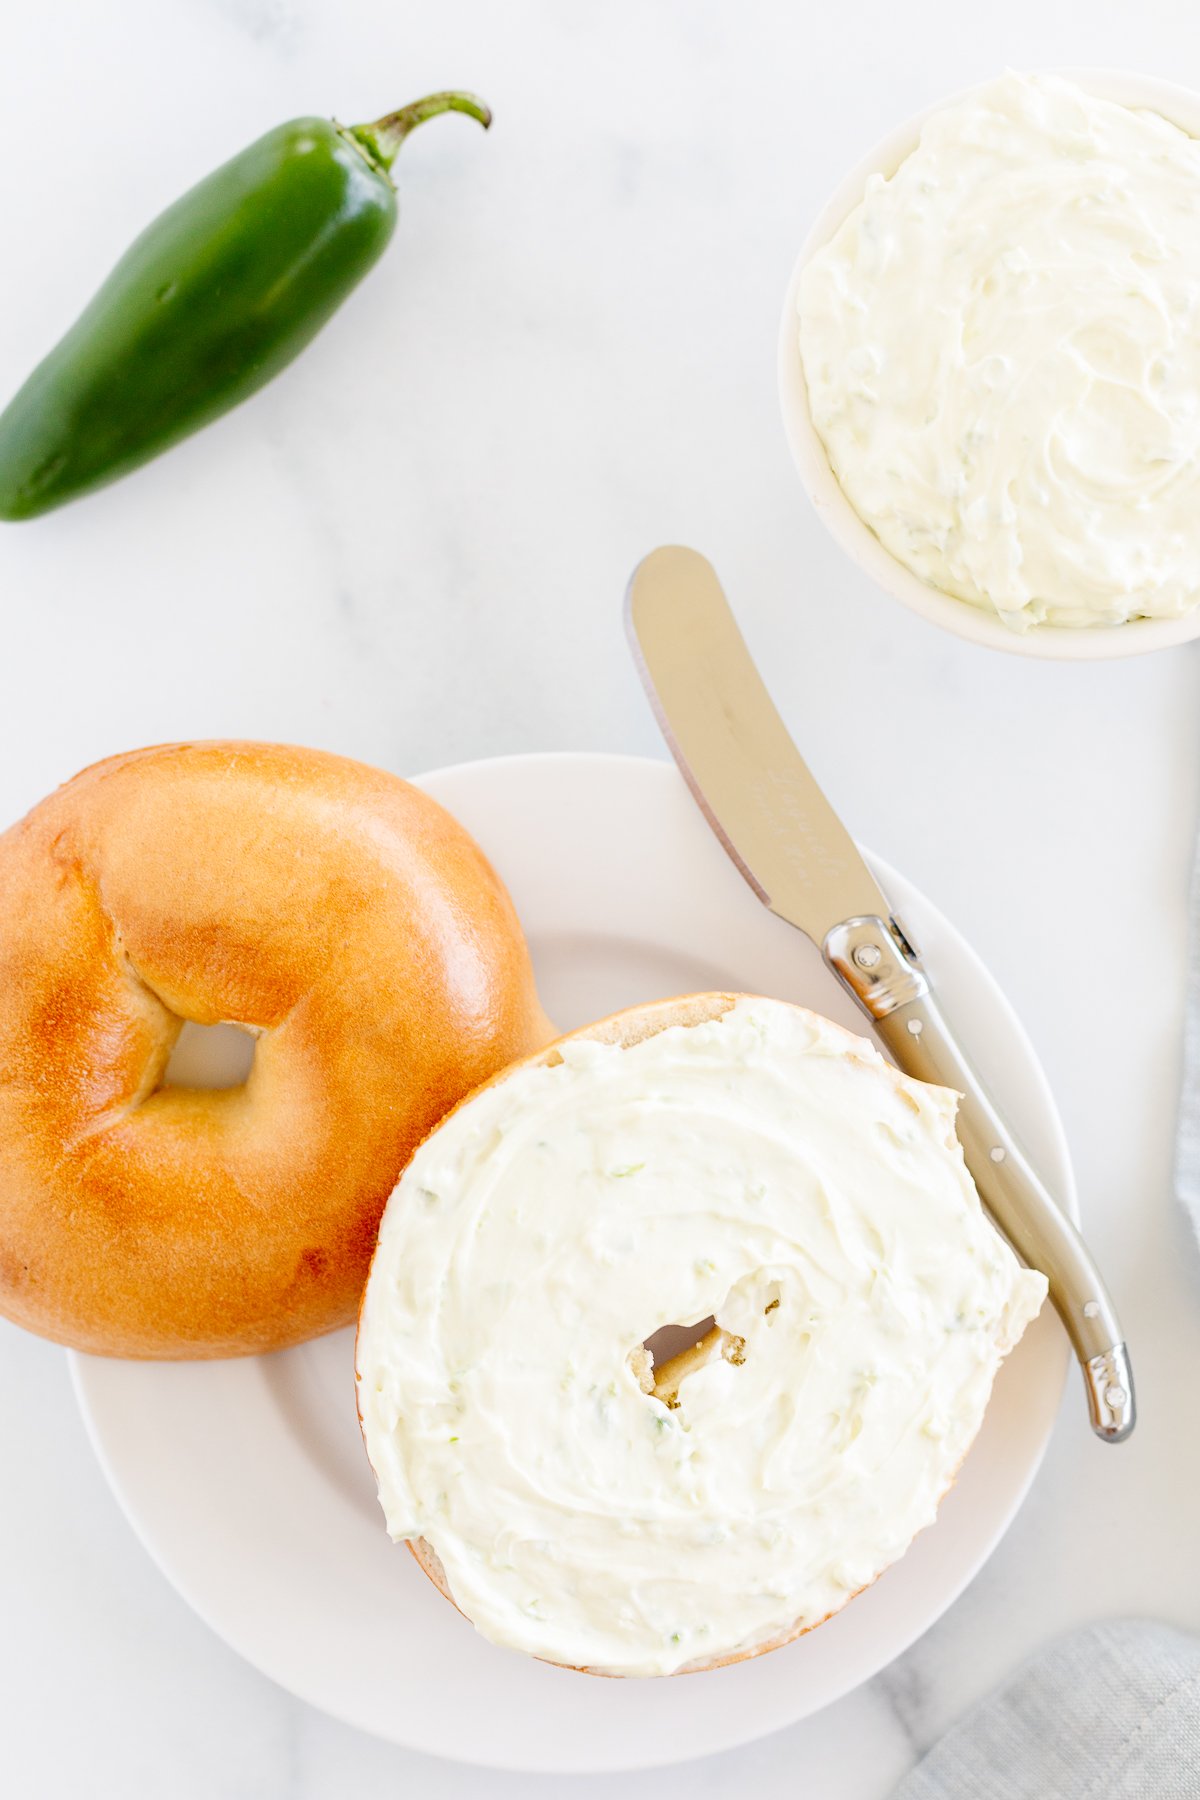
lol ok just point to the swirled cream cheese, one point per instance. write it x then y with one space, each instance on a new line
765 1167
1001 347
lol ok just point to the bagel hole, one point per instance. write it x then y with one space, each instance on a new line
671 1339
210 1056
663 1361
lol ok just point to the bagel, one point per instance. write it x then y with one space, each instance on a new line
330 909
726 1163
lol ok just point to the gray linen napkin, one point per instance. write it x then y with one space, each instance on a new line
1187 1151
1111 1712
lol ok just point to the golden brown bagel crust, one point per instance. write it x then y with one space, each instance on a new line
332 909
630 1027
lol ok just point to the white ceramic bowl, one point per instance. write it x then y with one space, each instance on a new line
1079 644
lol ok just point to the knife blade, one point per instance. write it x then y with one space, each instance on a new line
735 752
750 781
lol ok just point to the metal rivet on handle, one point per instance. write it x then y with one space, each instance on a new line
1115 1396
868 956
1092 1309
998 1153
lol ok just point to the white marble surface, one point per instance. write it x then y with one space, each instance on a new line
412 549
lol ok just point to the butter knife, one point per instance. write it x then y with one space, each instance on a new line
756 792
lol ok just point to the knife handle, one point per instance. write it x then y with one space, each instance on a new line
875 961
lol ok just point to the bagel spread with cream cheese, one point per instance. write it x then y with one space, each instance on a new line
734 1164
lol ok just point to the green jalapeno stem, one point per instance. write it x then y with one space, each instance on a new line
382 139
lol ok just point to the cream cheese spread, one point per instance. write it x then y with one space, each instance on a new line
765 1167
1001 346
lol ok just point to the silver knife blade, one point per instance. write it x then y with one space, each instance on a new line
734 750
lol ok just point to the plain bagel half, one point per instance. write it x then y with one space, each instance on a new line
723 1163
330 909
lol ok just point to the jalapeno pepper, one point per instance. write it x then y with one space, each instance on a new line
218 294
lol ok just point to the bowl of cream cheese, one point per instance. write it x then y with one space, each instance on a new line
989 364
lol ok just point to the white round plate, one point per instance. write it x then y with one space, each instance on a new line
246 1480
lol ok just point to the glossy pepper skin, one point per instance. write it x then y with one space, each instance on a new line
217 295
